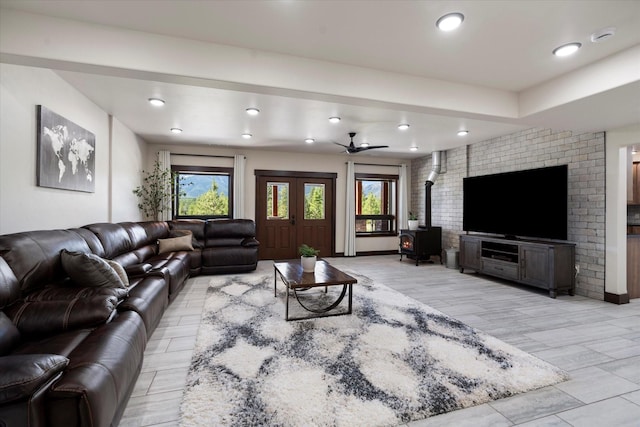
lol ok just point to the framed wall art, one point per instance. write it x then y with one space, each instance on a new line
66 153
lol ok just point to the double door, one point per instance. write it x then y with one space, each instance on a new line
292 209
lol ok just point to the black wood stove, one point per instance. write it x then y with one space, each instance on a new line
421 244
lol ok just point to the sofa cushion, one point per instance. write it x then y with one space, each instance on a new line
24 374
9 335
36 318
175 244
90 270
68 293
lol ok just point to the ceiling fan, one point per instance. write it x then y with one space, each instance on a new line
352 149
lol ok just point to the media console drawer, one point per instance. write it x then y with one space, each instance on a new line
506 270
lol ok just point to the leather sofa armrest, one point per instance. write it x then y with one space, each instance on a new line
250 242
24 374
137 270
38 318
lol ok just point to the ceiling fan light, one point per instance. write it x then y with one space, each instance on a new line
247 135
463 132
567 49
156 102
450 21
176 130
252 111
309 140
334 119
403 126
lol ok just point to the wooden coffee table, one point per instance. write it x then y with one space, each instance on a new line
290 271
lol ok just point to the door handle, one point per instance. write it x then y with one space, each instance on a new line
293 220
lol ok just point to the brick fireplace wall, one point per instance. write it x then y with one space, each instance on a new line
528 149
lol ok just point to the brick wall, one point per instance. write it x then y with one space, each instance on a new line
532 148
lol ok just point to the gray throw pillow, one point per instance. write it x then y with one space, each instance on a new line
90 270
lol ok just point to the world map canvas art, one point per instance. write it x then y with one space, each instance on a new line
66 153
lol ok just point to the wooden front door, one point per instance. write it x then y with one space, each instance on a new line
293 208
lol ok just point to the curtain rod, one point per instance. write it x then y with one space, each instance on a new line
375 164
201 155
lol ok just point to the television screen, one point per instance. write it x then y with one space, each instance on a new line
529 203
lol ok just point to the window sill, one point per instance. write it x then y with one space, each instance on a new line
378 234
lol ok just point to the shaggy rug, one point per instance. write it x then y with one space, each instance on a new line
391 361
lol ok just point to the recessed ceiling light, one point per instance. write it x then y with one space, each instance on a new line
253 111
246 135
450 21
567 49
176 130
156 102
414 148
309 140
403 126
463 132
334 119
364 144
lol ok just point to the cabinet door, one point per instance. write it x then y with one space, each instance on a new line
469 253
534 266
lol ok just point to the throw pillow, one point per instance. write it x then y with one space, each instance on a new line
177 232
90 270
182 243
119 271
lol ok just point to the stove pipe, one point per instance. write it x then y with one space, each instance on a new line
436 164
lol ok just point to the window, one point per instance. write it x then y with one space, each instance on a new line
376 204
203 192
313 201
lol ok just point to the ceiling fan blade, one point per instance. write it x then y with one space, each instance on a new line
375 146
342 145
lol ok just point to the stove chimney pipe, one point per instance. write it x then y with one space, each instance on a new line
436 165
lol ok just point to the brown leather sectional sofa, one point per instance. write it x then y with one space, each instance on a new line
73 334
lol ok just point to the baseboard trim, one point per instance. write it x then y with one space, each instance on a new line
367 253
616 299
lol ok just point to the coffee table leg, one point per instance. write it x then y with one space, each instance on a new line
350 297
286 310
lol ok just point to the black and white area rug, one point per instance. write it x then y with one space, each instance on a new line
391 361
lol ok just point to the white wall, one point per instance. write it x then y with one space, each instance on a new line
279 161
128 157
23 205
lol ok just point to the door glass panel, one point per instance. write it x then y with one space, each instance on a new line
277 200
314 201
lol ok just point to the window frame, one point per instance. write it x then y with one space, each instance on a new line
391 194
200 170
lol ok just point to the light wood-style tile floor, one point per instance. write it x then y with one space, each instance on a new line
598 343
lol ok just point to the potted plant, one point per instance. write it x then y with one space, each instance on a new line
413 221
156 194
308 257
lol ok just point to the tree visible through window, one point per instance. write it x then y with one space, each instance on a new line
203 192
376 204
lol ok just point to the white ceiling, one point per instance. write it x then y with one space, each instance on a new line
502 45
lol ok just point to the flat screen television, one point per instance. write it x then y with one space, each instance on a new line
528 203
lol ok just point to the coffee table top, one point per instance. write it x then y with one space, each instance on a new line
324 275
